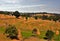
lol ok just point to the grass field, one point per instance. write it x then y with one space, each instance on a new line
26 27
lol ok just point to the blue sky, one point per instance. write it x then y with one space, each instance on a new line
52 6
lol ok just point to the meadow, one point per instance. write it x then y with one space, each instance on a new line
25 27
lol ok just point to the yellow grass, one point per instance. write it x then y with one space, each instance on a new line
31 23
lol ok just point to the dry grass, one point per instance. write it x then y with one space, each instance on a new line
31 23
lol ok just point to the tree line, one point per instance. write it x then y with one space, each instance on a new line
55 17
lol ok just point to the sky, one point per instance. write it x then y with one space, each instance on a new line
52 6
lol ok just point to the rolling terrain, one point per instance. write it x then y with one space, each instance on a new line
26 25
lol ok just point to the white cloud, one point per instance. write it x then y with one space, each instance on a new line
10 1
21 6
41 5
12 5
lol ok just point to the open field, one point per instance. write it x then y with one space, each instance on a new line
26 26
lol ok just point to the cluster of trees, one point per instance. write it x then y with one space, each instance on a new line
44 17
5 12
54 18
16 13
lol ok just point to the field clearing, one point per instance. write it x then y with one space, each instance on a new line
26 25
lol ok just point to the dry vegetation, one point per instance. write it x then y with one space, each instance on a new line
23 25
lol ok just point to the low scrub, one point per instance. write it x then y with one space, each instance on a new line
11 32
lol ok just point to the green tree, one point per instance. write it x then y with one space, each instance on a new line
16 14
11 32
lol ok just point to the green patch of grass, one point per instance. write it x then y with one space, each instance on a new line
42 34
26 34
57 37
2 29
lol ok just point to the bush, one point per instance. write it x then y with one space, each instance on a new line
44 17
50 17
34 31
36 17
26 17
49 34
11 32
55 18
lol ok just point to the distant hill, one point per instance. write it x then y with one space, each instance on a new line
30 14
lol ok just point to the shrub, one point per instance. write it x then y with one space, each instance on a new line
11 32
26 17
34 31
44 17
49 35
50 17
55 18
36 17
